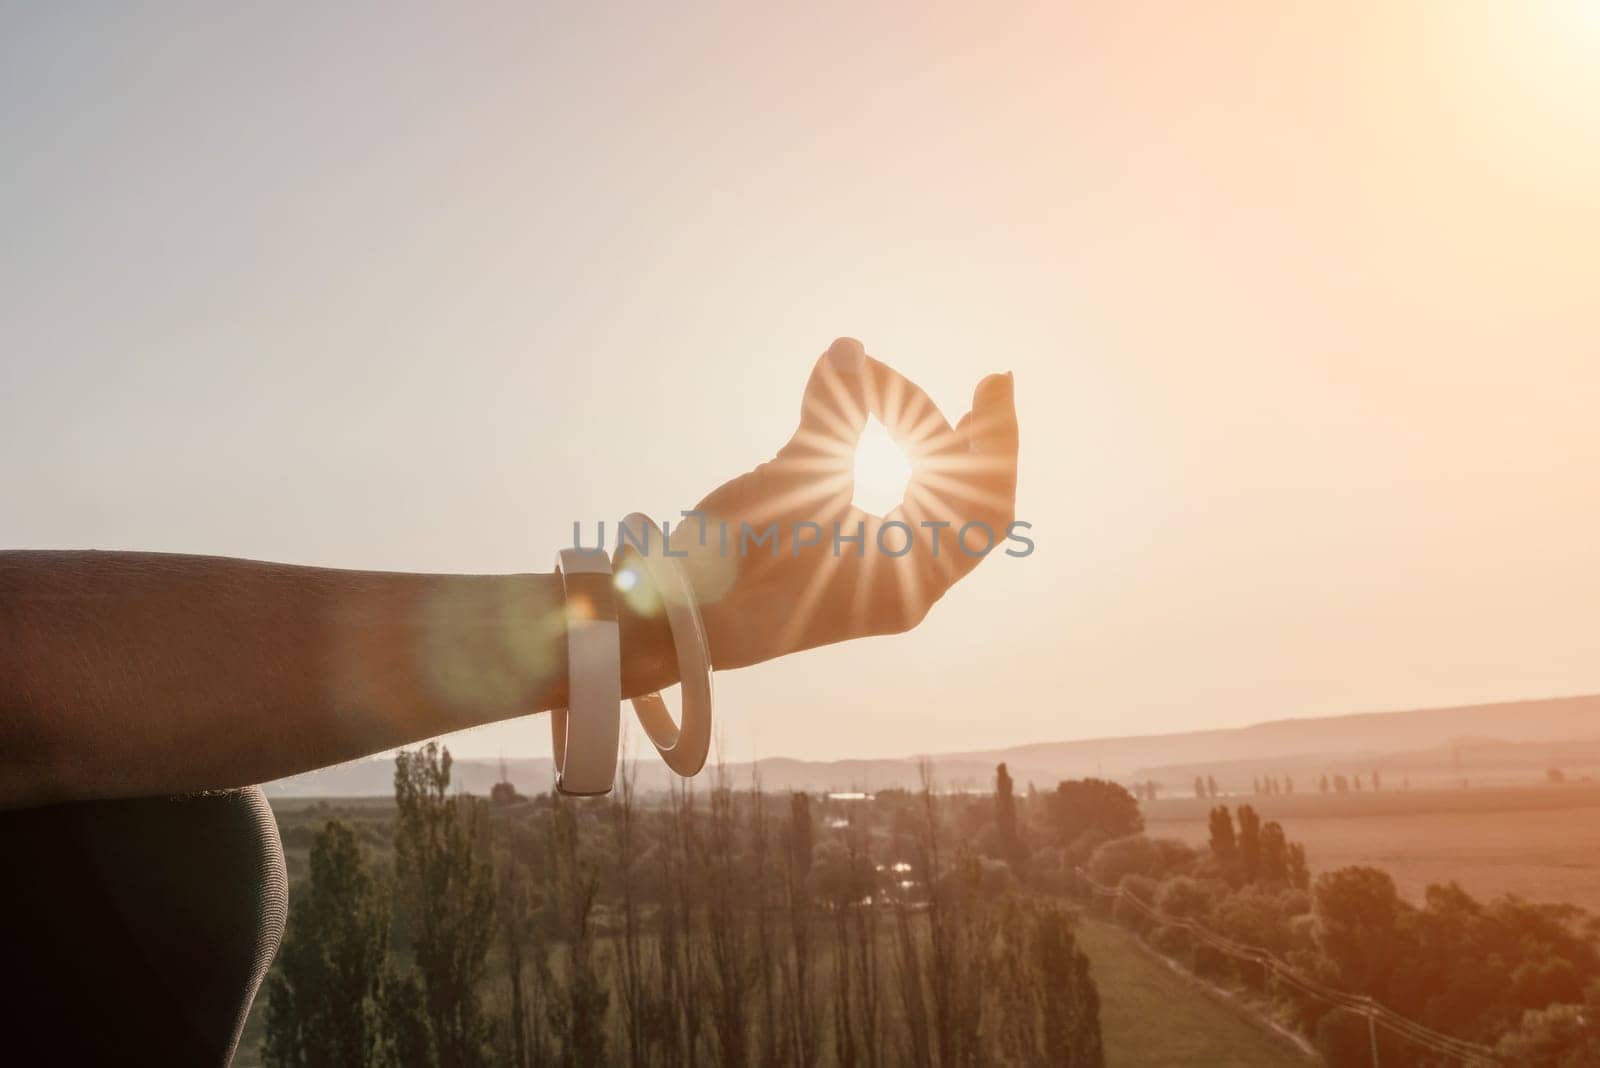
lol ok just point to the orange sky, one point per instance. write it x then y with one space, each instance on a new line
1300 305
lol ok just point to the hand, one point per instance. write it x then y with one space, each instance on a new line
801 589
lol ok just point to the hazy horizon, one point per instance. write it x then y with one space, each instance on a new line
1299 304
1413 737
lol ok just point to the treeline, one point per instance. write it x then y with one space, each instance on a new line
732 928
1521 981
1205 786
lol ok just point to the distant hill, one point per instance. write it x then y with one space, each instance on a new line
374 777
1513 734
1479 761
1547 720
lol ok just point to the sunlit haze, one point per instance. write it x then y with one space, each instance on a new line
1300 303
881 470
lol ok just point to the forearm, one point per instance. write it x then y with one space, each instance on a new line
124 674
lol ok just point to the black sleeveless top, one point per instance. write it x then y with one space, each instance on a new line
137 932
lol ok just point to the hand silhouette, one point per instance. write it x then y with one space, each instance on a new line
779 558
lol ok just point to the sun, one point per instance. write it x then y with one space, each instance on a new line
882 471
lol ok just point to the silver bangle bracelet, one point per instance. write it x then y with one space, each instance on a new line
585 732
683 747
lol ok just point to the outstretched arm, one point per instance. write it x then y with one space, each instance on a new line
125 674
128 674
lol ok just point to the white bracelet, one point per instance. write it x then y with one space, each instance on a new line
585 733
684 748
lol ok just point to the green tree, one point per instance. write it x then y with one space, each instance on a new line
1085 806
446 895
729 950
323 996
578 1017
1299 871
524 950
1360 919
1561 1036
1479 967
802 1030
1005 816
407 1039
1224 843
1249 843
1041 1005
1274 848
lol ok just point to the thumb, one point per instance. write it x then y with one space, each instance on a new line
992 429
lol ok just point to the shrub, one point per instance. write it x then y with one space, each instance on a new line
1562 1036
1302 933
1133 855
1254 917
1294 903
1143 889
1185 898
1172 858
1049 870
1082 847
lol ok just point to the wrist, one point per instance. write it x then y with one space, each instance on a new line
649 662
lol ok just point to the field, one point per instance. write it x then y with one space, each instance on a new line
1540 842
1152 1016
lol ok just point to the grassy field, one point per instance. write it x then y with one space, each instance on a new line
1152 1016
1540 842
